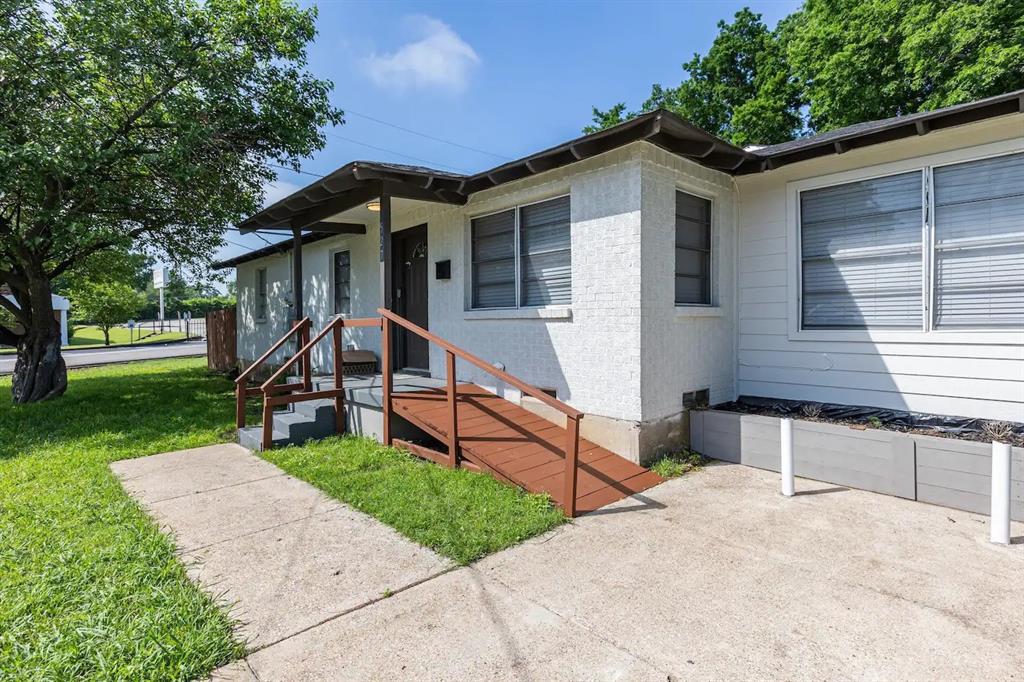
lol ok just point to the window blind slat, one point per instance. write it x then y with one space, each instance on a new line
979 244
861 254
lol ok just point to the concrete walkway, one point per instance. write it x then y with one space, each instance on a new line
711 576
287 556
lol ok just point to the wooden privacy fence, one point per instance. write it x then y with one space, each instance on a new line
221 349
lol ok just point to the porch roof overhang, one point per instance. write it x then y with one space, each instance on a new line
360 181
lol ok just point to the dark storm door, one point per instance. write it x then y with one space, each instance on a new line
409 268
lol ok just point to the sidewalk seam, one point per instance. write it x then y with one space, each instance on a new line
189 550
352 609
211 490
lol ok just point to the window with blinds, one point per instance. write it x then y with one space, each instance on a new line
545 254
693 250
522 257
494 260
979 244
342 282
861 254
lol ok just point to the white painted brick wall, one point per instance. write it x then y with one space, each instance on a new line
592 358
685 353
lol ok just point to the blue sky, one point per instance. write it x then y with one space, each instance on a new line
504 78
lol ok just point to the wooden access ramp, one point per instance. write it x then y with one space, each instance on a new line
478 430
521 448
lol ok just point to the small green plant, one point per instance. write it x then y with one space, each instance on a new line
874 422
675 464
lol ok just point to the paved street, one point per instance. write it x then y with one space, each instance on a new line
102 356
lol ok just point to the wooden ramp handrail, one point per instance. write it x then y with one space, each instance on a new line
268 388
573 416
241 392
526 388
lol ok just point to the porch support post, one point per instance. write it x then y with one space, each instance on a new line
386 288
297 273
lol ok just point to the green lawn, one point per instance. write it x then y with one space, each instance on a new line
87 336
93 336
459 514
90 589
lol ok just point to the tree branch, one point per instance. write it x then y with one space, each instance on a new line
62 267
19 314
8 337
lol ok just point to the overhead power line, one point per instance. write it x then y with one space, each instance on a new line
398 153
292 170
427 135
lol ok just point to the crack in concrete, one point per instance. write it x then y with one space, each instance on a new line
579 625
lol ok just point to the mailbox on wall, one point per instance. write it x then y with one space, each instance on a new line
443 269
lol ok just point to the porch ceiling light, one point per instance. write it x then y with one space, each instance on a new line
373 206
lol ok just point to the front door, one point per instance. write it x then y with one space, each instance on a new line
409 269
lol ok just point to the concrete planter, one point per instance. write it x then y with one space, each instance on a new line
943 471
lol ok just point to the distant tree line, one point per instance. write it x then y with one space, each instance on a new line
833 63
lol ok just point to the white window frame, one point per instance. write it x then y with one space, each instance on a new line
712 254
331 277
515 208
256 296
927 333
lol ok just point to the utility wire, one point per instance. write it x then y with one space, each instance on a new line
392 151
292 170
428 136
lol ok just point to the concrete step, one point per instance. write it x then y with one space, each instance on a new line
292 428
251 438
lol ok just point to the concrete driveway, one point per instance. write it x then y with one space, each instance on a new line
712 576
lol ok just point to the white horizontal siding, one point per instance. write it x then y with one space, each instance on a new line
926 374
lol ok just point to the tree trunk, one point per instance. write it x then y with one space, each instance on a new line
40 372
106 336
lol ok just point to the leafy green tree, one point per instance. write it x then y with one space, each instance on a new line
863 60
200 306
141 125
838 62
741 90
105 304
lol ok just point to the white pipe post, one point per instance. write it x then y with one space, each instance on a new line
786 429
1000 520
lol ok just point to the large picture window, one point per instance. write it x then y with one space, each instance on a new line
939 247
861 254
693 250
979 244
522 257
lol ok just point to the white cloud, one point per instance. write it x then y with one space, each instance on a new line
438 59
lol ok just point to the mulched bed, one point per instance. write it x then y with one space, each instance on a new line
963 428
